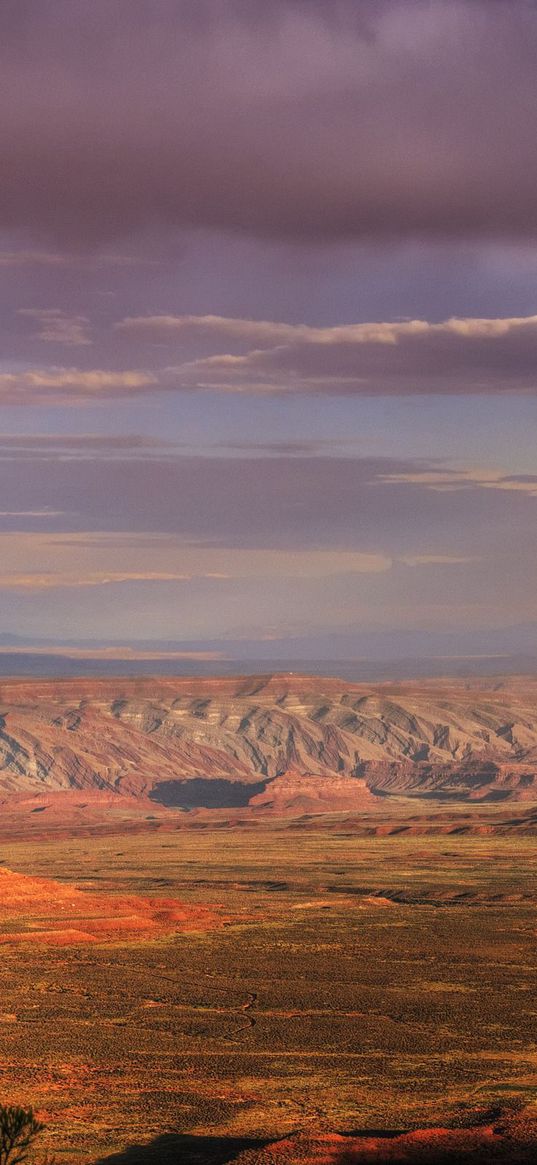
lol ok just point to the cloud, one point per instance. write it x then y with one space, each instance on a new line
56 327
46 385
284 502
319 121
409 357
458 355
124 557
306 447
269 334
263 517
40 582
32 259
435 560
111 653
286 542
31 513
84 446
264 332
445 480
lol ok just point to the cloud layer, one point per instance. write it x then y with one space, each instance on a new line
458 355
269 546
315 121
379 358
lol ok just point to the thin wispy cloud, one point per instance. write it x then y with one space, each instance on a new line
445 480
32 259
107 654
40 582
87 260
31 513
55 326
70 385
85 447
123 557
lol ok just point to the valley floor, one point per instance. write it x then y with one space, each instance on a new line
358 983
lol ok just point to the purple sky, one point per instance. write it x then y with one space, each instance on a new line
268 317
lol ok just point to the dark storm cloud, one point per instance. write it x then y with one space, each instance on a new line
317 121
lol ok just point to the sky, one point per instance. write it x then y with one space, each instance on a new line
268 327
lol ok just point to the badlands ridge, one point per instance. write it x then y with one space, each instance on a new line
281 744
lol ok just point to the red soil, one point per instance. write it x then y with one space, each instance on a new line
44 911
512 1139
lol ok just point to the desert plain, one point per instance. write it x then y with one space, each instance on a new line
326 953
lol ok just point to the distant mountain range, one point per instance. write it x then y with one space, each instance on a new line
66 661
370 656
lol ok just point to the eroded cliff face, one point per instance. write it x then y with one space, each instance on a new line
278 734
